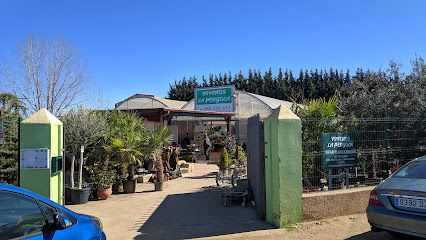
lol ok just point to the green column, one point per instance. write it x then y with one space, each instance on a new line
283 167
42 130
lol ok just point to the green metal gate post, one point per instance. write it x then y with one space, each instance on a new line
39 172
283 167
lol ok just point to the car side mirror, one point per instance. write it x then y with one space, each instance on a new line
61 221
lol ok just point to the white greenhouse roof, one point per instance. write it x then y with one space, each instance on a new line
273 103
142 101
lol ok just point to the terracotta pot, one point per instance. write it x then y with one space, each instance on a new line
104 194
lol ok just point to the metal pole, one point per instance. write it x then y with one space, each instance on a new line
63 166
19 151
387 142
347 177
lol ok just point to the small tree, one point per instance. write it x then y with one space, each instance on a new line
10 111
224 159
154 145
318 116
83 127
46 73
239 155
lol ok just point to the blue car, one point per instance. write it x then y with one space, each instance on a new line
26 215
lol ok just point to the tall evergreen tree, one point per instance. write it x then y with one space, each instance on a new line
10 111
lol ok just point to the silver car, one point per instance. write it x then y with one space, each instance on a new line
398 204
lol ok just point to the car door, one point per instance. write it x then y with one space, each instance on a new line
23 217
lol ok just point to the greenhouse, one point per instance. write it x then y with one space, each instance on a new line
246 105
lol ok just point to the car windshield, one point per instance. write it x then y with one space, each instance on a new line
416 169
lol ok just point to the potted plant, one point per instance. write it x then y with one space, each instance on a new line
127 136
127 153
223 162
101 178
154 145
83 128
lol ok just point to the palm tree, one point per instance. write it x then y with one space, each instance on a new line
154 145
127 150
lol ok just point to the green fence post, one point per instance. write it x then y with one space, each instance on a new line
39 172
283 167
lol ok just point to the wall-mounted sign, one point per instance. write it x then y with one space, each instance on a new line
35 158
339 150
215 99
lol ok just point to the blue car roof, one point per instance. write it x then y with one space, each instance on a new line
8 187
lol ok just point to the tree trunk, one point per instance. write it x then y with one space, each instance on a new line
131 169
72 170
160 172
80 171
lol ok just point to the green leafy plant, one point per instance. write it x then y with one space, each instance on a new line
224 159
239 156
154 146
101 176
230 144
10 111
84 127
126 137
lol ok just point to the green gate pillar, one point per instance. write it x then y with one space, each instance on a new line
283 167
41 165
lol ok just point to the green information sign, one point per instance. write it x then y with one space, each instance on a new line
339 150
216 99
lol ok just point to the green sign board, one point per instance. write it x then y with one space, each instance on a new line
216 99
339 150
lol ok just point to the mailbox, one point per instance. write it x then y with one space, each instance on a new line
56 165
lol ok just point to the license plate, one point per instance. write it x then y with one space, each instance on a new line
409 202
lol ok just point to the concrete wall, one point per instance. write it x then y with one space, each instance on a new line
322 205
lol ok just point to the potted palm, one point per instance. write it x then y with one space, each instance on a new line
154 145
126 139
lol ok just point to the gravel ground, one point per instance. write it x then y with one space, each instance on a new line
191 208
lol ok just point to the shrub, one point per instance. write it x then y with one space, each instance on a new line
224 159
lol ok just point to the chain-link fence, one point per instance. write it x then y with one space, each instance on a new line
383 146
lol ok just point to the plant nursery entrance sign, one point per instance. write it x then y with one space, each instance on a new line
339 150
215 99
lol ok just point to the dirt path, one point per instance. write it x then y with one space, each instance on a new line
191 208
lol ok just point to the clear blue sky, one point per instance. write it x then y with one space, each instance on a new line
142 46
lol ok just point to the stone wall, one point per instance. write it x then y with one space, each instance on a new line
335 203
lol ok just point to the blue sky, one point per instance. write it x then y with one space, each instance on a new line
142 46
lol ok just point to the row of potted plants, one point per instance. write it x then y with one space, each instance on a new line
115 143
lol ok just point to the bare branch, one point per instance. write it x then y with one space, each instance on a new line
46 73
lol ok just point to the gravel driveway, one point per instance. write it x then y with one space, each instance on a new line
191 208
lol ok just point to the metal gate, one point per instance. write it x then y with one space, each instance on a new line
256 163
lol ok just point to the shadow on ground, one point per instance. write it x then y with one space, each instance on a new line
379 235
208 175
201 214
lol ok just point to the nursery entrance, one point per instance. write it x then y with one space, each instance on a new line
194 122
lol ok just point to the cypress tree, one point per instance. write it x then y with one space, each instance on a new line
10 110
